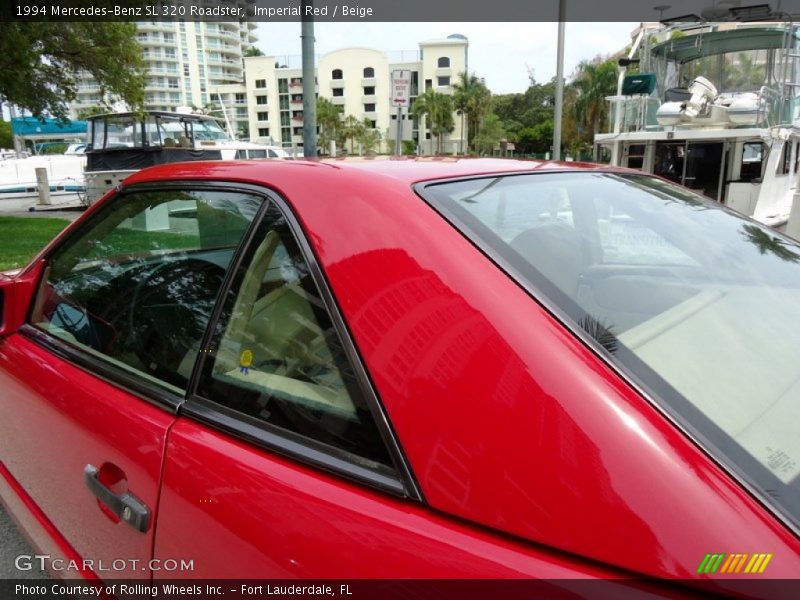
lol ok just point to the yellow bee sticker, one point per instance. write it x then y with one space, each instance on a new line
246 361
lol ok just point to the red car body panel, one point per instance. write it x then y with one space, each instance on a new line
57 419
275 518
508 421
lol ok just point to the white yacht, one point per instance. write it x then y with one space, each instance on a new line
18 185
715 107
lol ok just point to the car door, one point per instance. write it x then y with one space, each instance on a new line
92 382
283 463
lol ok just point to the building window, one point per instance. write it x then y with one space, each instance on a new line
283 86
369 72
337 74
261 99
241 99
369 107
263 116
444 62
263 131
369 90
443 81
338 92
373 124
261 83
428 84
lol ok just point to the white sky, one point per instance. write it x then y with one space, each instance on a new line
499 52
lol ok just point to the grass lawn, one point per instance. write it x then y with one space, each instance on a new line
22 237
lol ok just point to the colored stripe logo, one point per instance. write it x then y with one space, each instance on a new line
734 563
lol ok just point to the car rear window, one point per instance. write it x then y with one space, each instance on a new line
699 306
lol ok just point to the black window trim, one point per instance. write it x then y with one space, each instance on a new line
691 433
263 434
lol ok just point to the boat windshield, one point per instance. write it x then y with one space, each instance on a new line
699 306
208 129
124 131
745 71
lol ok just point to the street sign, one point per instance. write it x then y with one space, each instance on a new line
401 88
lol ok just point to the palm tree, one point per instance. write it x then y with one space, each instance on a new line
594 81
351 130
438 108
368 138
329 120
473 99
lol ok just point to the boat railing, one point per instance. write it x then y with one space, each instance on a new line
638 112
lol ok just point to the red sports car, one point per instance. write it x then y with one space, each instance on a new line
405 369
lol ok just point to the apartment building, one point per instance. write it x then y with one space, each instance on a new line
184 62
267 106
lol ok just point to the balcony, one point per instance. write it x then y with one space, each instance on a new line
148 26
337 84
296 84
444 72
229 35
150 40
368 99
338 100
367 82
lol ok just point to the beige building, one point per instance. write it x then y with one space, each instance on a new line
268 106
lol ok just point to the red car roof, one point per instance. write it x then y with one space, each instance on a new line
407 170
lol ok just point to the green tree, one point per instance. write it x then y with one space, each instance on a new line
91 112
537 139
351 130
518 111
253 51
438 108
6 139
491 133
367 137
473 100
592 82
39 63
329 121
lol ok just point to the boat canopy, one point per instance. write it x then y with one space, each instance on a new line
34 128
698 45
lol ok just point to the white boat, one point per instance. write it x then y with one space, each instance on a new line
122 143
19 189
715 107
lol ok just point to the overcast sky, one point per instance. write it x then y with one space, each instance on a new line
500 52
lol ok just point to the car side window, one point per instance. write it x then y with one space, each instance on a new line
137 285
277 359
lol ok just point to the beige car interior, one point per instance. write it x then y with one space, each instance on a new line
292 357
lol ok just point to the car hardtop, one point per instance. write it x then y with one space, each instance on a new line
407 171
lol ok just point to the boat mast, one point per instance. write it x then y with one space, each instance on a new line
225 114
